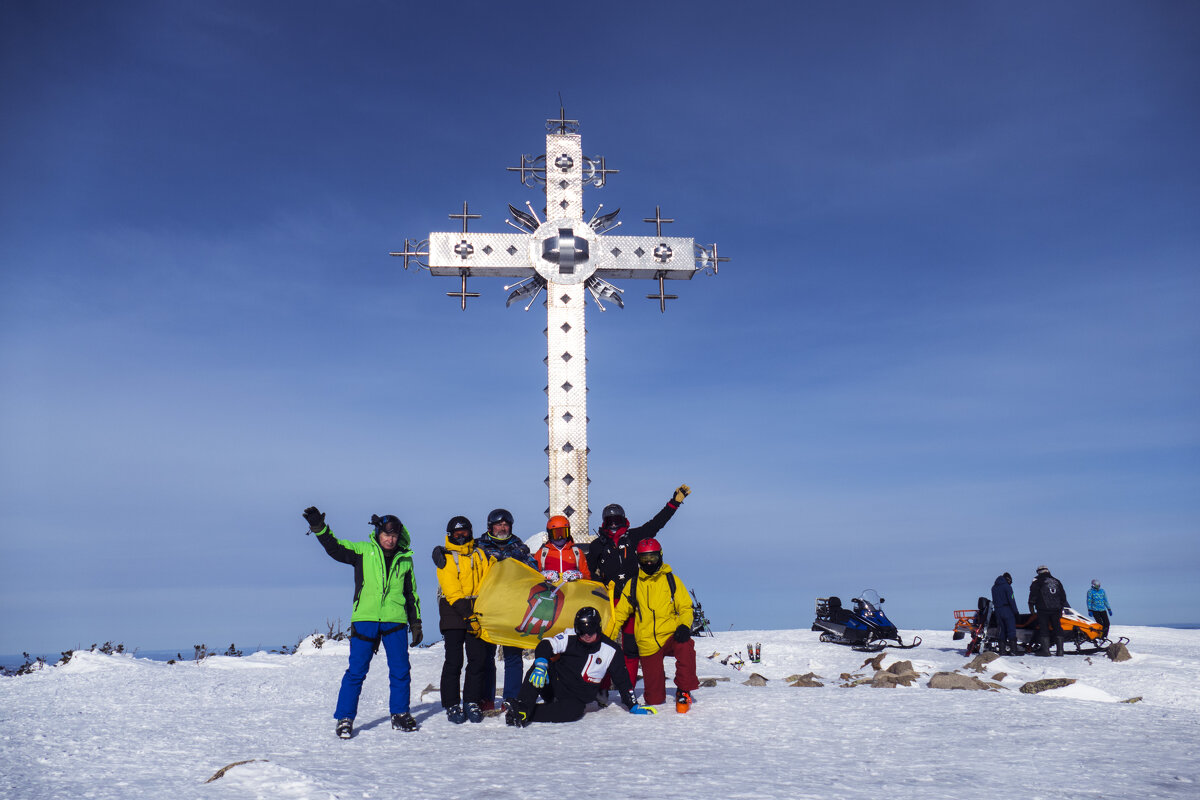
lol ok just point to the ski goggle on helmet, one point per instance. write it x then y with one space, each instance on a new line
388 523
558 527
649 555
614 517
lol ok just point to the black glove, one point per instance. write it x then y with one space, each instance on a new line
628 699
683 633
417 635
315 519
439 556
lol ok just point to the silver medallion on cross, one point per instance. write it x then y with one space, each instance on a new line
568 257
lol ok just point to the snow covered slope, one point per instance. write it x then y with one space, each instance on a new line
122 727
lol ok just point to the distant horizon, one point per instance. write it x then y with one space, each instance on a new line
14 660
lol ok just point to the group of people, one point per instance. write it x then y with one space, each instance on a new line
652 619
1047 599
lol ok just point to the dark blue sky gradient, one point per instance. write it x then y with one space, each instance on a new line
959 335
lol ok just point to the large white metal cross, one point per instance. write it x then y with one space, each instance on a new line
568 258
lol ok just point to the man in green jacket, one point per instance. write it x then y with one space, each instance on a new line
385 607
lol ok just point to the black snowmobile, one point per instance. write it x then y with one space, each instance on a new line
864 628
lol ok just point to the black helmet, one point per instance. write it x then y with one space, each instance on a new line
587 620
458 524
388 523
499 515
613 516
459 529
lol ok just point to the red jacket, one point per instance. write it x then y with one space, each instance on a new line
561 556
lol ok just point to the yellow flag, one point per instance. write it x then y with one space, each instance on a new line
518 607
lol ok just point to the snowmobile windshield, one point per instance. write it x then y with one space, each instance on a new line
869 603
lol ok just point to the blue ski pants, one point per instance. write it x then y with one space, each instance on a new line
365 638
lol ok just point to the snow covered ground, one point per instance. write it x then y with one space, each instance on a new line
124 727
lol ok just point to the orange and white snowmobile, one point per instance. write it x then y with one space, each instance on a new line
980 625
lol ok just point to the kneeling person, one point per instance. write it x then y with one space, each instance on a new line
566 670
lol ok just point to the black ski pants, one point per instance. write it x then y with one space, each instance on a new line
1102 618
457 642
558 706
1050 623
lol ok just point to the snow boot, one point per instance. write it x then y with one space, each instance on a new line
683 701
474 712
1043 647
404 722
345 728
456 715
1058 646
602 698
1014 647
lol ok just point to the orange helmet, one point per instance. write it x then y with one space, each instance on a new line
558 527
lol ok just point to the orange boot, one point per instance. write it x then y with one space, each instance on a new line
683 701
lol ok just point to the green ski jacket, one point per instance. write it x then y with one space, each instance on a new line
380 594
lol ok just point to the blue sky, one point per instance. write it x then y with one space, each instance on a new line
958 337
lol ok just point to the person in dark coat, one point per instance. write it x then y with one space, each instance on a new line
499 543
1047 599
566 670
1004 606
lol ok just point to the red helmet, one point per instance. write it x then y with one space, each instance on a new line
649 546
558 527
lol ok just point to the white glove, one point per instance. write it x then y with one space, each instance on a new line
550 575
572 575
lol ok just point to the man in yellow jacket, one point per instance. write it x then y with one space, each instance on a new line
461 566
661 608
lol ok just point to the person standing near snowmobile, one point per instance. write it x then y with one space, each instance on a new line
566 670
560 558
661 609
498 544
1097 602
1004 605
612 558
461 567
386 607
1047 599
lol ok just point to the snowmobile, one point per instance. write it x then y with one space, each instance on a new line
865 628
980 624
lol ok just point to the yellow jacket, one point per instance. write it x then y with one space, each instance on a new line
657 612
458 582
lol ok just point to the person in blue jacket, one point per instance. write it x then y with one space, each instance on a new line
1004 606
500 543
1098 606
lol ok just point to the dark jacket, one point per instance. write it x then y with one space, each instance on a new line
1046 593
385 590
579 667
500 549
1002 597
615 560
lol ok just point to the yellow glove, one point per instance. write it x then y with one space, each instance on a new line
683 491
473 621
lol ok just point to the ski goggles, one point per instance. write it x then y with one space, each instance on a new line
650 559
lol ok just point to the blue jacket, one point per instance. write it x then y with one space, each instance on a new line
1097 600
1002 597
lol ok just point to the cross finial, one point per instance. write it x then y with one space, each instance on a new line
562 124
658 221
463 294
408 253
465 216
662 297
